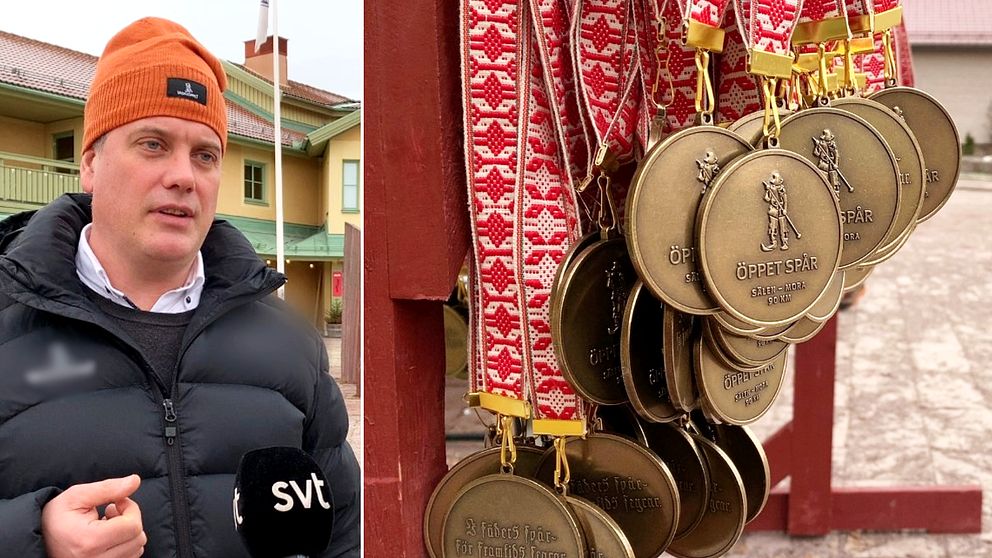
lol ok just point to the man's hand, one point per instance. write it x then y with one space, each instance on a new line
72 527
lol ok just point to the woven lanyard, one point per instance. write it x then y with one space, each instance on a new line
767 26
678 75
881 20
522 207
737 91
606 54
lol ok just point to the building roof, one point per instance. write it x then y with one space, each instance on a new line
948 22
303 91
242 122
45 67
52 69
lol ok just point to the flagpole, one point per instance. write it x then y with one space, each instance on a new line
277 122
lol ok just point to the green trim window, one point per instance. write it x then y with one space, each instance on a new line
254 182
350 186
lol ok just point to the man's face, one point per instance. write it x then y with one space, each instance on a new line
154 184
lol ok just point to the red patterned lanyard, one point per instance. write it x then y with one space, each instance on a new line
702 30
737 92
767 26
517 119
606 51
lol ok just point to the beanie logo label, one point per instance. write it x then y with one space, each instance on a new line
188 89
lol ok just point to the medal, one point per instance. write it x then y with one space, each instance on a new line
854 278
726 510
803 330
630 483
673 445
746 351
751 126
603 537
642 357
587 317
670 182
475 466
941 148
679 332
911 168
748 456
860 168
737 396
769 237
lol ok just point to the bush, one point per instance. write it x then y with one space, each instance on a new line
969 145
333 315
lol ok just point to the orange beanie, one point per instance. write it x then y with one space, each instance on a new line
154 67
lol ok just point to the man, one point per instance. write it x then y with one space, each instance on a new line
142 352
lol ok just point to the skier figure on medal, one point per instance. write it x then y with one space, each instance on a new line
778 214
708 168
825 149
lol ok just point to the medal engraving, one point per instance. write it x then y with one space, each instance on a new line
506 515
825 149
604 538
626 481
748 457
708 167
475 466
738 396
779 221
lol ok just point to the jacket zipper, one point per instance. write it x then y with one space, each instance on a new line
173 449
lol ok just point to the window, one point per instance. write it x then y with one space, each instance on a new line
349 202
254 182
64 149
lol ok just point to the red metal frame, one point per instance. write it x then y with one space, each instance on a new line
802 450
415 242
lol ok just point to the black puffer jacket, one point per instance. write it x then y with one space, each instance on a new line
79 402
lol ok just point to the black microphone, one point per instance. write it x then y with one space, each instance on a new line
282 504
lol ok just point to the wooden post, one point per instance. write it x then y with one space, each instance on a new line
416 238
351 309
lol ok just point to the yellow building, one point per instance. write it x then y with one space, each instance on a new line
43 89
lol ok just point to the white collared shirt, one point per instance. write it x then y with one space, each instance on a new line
92 274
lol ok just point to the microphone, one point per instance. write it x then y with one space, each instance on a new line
282 504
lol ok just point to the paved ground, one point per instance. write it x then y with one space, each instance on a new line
914 386
352 401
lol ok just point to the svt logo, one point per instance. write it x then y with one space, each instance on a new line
305 496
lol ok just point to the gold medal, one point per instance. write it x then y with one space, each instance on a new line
642 357
587 317
860 168
941 145
748 456
911 168
685 461
508 515
769 237
680 330
603 537
735 326
723 520
661 211
626 481
746 351
477 465
737 396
